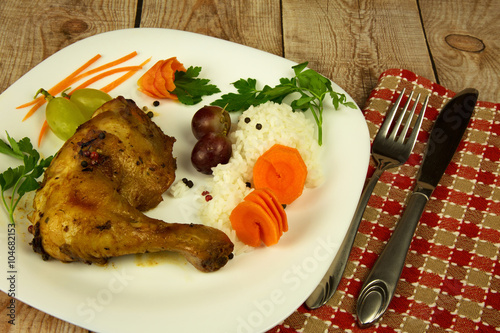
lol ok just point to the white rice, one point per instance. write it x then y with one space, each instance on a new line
280 125
178 189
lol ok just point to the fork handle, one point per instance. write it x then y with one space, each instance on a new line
328 285
379 286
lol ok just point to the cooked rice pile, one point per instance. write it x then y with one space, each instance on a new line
278 124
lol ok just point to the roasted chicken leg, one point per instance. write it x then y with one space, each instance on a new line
89 205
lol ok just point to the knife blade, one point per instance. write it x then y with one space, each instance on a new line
378 289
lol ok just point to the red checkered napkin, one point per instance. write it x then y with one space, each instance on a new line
451 279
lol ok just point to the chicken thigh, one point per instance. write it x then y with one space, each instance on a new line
89 206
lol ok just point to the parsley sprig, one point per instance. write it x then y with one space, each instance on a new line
189 88
312 89
21 179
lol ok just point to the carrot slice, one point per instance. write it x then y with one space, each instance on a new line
257 197
146 81
280 208
168 72
282 170
122 78
252 224
277 209
159 82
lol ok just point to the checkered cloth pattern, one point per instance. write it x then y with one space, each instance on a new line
451 278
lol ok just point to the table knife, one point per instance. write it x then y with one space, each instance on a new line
378 289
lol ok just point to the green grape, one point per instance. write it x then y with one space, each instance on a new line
63 117
89 100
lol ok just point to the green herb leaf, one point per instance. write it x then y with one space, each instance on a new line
311 86
190 89
29 184
299 67
21 179
12 149
247 96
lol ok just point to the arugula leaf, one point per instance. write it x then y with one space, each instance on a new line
190 89
21 179
312 89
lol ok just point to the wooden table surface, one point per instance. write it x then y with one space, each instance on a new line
452 42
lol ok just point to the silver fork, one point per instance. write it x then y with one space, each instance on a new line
389 150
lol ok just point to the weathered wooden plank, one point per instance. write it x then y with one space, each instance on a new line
32 30
353 42
253 23
464 41
29 319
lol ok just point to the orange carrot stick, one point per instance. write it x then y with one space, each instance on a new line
76 76
103 75
43 130
34 108
66 82
106 66
122 78
71 78
34 101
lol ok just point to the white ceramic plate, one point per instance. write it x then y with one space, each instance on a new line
254 291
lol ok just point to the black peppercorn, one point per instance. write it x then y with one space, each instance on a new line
258 126
156 103
247 120
187 182
84 164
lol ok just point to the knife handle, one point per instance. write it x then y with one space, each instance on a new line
378 288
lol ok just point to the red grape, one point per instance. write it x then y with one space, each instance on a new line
211 150
210 119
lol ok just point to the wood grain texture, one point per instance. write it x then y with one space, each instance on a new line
455 30
29 319
252 23
353 42
32 30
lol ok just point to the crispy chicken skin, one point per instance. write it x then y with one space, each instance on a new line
89 205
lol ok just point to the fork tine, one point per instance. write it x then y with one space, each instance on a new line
414 132
395 129
384 129
408 121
